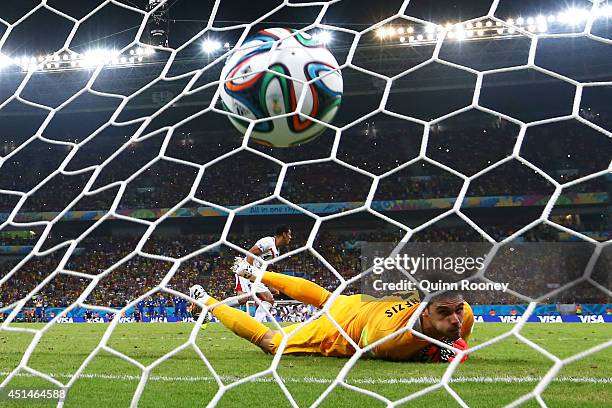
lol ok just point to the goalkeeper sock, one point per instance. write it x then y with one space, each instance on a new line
297 288
238 321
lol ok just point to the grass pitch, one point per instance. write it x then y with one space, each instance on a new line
494 376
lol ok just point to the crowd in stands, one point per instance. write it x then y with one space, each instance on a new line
246 176
16 241
538 266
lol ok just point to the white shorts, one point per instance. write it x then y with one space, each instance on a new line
245 285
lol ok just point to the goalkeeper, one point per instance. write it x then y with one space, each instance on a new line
447 317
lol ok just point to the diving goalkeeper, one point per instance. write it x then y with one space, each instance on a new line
447 317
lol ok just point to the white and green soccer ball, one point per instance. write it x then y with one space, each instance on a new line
256 85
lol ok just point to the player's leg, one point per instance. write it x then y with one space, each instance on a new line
242 286
296 288
266 301
239 322
261 314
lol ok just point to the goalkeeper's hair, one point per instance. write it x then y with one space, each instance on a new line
281 229
449 295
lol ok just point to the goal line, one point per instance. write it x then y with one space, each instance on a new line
318 380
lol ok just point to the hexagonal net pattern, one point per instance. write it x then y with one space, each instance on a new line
150 226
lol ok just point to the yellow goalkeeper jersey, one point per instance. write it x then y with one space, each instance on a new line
364 320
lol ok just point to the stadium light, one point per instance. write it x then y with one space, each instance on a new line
98 56
488 28
209 46
73 60
564 17
403 34
605 11
5 61
573 16
459 32
325 37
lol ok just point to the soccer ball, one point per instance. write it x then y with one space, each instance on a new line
248 90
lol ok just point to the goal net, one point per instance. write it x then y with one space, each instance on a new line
123 182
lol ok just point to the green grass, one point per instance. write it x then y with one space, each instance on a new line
110 381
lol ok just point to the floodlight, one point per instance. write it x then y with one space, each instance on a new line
209 46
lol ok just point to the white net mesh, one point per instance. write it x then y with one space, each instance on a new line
193 86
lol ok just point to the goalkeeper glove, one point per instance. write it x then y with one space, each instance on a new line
435 354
